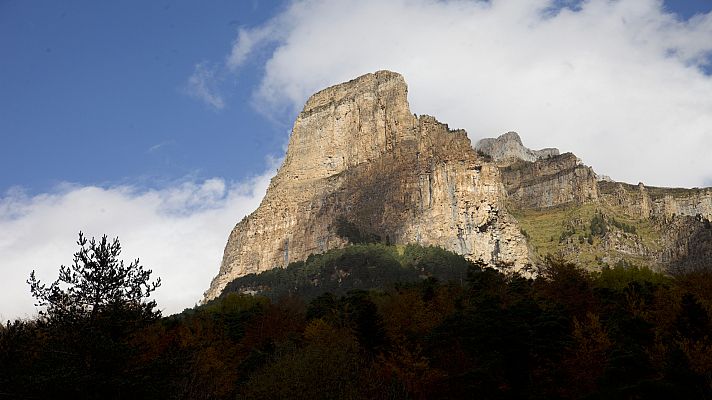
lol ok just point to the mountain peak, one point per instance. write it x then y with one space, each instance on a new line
376 83
509 147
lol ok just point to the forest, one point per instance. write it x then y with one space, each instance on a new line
370 322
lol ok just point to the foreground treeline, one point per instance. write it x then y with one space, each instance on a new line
618 334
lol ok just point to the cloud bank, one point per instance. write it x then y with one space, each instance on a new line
179 232
622 84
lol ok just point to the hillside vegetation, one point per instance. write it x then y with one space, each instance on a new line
591 235
361 266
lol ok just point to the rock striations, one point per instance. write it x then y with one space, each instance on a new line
361 167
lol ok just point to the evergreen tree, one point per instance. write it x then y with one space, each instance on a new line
97 282
92 313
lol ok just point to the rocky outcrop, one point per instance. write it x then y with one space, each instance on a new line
660 203
680 217
550 181
509 147
357 156
688 244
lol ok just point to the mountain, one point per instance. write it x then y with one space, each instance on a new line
360 167
509 147
565 208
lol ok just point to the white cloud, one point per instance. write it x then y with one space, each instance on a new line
247 40
202 85
619 83
159 146
179 232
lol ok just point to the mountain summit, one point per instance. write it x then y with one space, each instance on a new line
360 167
509 146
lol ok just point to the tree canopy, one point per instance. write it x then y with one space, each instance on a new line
621 333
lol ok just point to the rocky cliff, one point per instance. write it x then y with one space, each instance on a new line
550 181
566 210
360 167
359 161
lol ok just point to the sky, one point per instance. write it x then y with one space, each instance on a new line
162 122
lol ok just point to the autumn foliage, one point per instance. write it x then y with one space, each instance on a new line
570 334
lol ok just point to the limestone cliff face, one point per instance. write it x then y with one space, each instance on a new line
358 156
550 181
539 178
681 217
659 203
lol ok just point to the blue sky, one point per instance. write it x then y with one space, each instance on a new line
688 8
94 93
162 122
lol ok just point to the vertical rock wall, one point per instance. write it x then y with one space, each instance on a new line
357 154
550 181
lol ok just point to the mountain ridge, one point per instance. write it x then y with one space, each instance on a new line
358 156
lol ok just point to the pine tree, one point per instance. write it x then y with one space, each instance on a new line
98 282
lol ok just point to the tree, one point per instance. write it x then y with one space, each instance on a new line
96 283
94 313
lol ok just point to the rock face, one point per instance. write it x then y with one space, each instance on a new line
358 158
509 147
557 199
681 218
361 167
550 181
660 203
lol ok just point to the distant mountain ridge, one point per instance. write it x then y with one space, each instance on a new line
509 147
359 161
566 209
